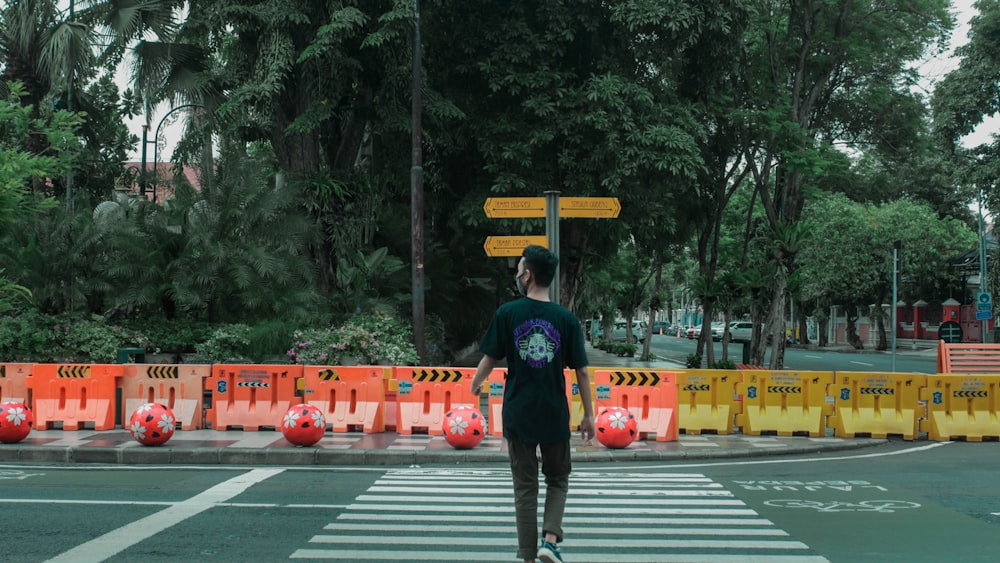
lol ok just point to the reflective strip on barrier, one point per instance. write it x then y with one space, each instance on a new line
74 395
877 404
651 397
179 387
784 402
961 407
348 396
426 394
706 401
14 382
252 396
495 385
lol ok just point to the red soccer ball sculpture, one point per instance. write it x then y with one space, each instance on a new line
463 427
152 424
616 427
15 422
303 425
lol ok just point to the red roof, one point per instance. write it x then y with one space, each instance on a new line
162 188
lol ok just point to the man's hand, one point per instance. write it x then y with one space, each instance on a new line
587 429
476 388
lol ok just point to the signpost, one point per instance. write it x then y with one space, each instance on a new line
512 246
552 207
575 207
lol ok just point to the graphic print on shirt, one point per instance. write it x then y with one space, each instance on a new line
537 342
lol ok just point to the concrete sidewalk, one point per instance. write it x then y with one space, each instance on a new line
269 447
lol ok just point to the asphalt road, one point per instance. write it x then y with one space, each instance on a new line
908 361
904 501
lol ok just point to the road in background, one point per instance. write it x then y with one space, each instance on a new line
807 359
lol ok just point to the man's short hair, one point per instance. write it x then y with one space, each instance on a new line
542 263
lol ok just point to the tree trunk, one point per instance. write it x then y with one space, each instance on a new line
573 238
776 324
851 331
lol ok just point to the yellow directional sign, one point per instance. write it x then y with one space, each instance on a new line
512 246
525 207
514 207
590 207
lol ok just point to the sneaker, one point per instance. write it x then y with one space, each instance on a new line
548 553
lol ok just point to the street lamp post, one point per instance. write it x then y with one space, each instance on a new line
156 141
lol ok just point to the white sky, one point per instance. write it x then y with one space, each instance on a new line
933 71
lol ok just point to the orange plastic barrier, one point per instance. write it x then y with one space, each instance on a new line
180 387
877 404
350 397
251 396
968 358
14 382
784 402
963 407
706 400
651 397
74 394
426 394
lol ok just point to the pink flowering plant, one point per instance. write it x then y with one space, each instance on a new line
366 339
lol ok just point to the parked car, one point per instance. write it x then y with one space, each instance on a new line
660 327
739 331
618 334
693 332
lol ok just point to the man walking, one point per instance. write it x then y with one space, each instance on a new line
539 339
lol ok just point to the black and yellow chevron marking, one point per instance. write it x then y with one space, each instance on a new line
163 372
635 378
783 389
966 394
438 375
328 375
73 371
877 391
699 387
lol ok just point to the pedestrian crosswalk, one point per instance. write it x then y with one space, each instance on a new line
468 515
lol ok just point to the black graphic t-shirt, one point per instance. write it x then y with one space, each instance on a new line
539 340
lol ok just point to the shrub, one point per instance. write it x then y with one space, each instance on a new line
227 343
693 361
624 349
725 363
371 339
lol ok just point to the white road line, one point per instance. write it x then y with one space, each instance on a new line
483 557
612 510
510 528
811 356
607 520
915 449
78 501
393 539
863 364
577 490
116 541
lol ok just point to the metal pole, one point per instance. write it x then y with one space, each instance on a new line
895 284
983 286
156 139
417 196
143 173
552 230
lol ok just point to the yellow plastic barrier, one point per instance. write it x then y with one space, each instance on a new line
961 407
877 404
651 397
784 402
706 402
573 395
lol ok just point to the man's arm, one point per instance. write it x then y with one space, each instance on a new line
483 370
587 427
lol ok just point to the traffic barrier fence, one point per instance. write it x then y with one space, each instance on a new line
74 396
352 398
179 387
651 397
877 404
426 394
785 403
14 382
252 396
962 407
706 400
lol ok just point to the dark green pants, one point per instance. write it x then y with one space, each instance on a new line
556 467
